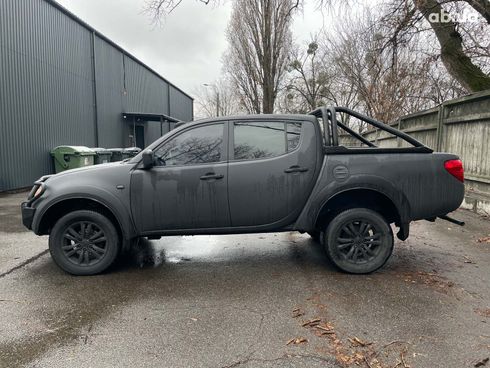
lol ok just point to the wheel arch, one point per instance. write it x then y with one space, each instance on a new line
56 210
364 197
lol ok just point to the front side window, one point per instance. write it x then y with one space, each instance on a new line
196 146
256 140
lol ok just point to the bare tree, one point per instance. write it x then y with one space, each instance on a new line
308 77
217 99
158 9
259 39
406 18
382 80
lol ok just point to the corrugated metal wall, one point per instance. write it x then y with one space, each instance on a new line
110 90
48 88
180 106
145 93
46 91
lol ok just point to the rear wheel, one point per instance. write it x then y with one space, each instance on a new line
359 240
84 243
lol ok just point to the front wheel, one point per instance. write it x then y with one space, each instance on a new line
359 240
84 243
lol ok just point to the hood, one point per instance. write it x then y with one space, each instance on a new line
99 168
102 175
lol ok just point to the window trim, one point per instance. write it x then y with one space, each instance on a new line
231 139
224 148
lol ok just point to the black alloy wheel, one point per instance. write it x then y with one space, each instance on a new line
359 240
84 242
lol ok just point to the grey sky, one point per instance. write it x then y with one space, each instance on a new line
187 48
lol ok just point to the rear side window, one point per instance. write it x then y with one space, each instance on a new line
196 146
256 140
293 135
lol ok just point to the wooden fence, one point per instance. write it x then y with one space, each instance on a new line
460 126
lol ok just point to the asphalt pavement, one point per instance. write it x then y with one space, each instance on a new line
259 300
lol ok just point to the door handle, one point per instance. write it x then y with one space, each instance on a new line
296 168
211 175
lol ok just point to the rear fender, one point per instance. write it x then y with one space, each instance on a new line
309 217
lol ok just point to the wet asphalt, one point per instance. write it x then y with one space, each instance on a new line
237 301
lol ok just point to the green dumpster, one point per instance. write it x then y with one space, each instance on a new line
130 152
102 155
116 154
72 157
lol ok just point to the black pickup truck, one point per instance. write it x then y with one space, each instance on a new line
249 174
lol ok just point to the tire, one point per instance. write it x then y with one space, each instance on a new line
84 243
359 241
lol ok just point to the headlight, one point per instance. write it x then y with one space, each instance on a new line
38 192
38 188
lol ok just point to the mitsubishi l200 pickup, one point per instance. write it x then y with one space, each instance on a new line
250 174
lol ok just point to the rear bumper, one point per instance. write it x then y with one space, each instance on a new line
27 214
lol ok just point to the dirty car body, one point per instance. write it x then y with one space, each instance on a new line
249 174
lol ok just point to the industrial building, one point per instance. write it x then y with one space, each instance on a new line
63 83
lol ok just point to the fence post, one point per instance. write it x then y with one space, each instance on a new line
440 126
398 139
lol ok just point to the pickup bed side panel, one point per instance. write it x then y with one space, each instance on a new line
417 183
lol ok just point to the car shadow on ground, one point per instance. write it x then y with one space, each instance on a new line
145 253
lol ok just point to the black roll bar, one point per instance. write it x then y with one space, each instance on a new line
322 113
329 117
358 136
333 119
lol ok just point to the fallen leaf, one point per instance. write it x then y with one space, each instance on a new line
325 328
483 312
296 341
485 239
356 341
298 313
327 333
482 362
311 322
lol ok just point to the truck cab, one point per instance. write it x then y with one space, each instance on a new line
246 174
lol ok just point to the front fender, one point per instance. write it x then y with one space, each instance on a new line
103 197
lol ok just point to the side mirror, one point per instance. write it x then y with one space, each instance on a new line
148 159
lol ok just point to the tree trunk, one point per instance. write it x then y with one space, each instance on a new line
268 77
457 63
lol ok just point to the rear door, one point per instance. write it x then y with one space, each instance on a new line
271 171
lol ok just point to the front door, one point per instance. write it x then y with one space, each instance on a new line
187 188
271 171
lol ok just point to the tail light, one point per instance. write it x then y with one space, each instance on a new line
455 168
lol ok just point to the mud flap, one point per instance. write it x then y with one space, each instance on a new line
404 231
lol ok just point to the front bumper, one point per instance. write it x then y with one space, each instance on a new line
27 214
